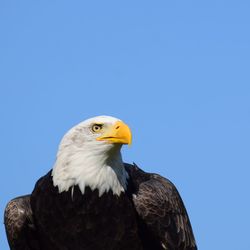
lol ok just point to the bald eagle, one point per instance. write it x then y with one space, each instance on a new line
92 200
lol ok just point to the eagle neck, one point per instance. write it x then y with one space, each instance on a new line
85 168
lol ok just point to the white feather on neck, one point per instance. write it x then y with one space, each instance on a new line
93 164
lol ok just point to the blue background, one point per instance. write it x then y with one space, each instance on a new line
176 71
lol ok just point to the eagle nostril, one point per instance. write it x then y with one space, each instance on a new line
117 127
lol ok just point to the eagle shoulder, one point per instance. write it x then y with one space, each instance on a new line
19 224
161 209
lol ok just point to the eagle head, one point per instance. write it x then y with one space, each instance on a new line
89 155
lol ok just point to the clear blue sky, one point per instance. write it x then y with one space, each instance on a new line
178 72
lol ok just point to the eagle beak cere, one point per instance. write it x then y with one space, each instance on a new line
118 133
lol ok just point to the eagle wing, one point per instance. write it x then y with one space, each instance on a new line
161 210
19 224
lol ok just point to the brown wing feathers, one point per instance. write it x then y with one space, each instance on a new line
19 224
161 208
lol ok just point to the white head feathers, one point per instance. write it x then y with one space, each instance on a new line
89 155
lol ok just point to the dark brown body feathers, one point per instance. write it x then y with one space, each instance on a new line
150 215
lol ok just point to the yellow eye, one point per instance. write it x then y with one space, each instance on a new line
97 128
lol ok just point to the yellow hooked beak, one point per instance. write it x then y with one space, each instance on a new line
118 133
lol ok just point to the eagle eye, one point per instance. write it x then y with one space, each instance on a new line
96 128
